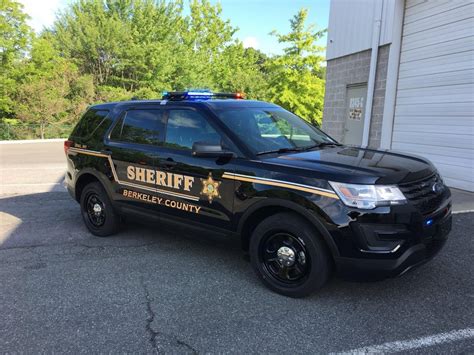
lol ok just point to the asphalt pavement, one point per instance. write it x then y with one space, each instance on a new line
154 288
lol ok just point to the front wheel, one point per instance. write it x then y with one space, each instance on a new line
289 256
97 211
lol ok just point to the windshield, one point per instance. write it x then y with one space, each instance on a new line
272 130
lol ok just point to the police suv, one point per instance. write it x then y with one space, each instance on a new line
302 204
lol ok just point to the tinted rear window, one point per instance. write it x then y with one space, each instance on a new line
93 122
140 127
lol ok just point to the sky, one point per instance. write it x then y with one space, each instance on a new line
254 18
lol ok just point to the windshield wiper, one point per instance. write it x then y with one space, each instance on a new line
325 144
298 149
281 150
319 145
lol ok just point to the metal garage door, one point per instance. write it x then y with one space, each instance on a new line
434 114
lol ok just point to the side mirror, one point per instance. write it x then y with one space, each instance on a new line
210 150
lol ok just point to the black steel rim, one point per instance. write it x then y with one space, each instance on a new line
291 275
95 217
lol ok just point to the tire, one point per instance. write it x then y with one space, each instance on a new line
273 243
103 222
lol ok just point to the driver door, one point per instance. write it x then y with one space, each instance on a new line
206 197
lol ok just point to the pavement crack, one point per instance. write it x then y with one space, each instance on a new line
187 346
160 340
151 317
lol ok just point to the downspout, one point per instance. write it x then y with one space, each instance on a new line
373 70
392 76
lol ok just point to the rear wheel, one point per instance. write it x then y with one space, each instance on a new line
289 256
97 211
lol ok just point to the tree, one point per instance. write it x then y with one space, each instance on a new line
110 50
121 43
51 90
297 76
241 69
212 58
204 36
14 37
143 47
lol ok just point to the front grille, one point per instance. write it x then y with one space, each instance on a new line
420 193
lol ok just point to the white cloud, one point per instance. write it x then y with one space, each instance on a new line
42 12
250 42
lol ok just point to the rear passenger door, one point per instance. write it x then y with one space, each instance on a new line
133 145
208 198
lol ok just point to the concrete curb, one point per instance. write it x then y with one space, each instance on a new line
462 211
27 141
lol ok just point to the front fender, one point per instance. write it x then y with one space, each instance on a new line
298 204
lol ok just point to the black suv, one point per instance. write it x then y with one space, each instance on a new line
301 203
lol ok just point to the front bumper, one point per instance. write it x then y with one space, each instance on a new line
389 244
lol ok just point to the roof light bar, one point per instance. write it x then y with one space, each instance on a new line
197 95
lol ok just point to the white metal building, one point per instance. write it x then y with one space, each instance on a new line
400 75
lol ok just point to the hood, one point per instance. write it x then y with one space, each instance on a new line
358 165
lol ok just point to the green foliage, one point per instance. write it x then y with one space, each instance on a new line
50 90
297 77
121 43
240 70
204 35
114 50
14 37
111 93
14 31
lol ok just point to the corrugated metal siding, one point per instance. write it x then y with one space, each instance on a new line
351 23
434 113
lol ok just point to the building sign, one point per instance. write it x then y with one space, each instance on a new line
356 105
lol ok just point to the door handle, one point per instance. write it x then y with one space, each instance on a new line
168 163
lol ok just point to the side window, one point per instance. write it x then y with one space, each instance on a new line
140 127
186 127
90 122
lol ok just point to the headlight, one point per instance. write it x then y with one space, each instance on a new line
368 196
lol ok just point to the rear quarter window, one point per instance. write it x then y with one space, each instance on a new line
140 126
93 123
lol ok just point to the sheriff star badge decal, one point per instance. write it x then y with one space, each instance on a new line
210 188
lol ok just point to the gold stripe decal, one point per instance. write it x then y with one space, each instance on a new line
100 155
279 183
129 184
226 175
171 193
88 152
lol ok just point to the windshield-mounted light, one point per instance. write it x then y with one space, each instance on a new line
368 196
